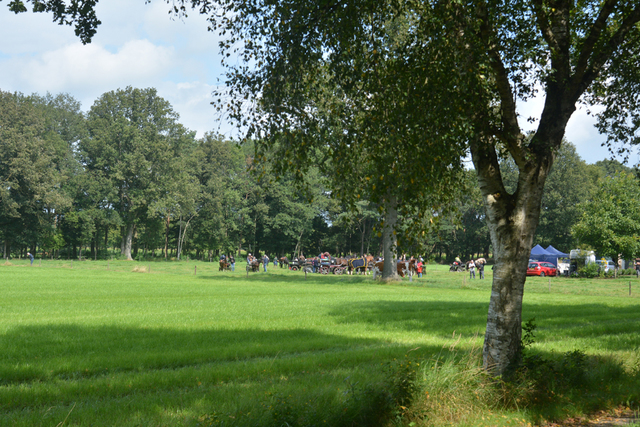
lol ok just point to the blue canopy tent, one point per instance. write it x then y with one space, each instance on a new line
538 253
555 254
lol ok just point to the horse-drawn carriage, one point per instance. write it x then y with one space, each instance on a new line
301 264
332 266
253 265
224 265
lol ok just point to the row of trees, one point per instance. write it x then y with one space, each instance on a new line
127 174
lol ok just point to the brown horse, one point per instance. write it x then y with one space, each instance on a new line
403 267
254 265
361 264
224 265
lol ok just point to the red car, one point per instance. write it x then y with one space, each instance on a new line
541 268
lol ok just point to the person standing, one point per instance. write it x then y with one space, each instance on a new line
30 257
419 268
480 266
265 262
232 262
472 270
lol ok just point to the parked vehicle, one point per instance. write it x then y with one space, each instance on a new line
541 268
606 265
564 265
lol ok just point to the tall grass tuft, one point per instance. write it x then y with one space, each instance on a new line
453 389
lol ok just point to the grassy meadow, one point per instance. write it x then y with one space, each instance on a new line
170 344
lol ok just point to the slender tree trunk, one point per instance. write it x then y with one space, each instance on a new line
166 237
179 250
389 239
363 230
127 242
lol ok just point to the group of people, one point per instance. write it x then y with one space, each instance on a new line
477 264
264 259
231 260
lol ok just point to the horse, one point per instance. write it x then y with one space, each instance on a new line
283 261
254 265
360 264
224 265
403 267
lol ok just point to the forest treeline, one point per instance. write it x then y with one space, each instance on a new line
127 178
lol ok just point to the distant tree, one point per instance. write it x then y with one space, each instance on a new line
612 167
610 222
131 144
30 177
222 173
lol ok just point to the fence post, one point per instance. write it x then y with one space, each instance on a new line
195 270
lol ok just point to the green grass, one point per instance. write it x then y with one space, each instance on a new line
95 343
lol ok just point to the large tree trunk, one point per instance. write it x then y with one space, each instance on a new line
128 239
389 239
512 220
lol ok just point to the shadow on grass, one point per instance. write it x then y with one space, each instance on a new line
615 329
42 352
289 277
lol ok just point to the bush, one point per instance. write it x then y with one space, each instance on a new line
589 271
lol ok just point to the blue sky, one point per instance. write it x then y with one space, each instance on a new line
140 45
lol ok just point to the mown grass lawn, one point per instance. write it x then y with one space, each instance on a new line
95 343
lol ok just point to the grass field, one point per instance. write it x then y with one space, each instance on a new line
121 343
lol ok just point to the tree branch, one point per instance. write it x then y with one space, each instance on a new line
511 135
582 80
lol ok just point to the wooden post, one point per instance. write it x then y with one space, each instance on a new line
305 273
195 270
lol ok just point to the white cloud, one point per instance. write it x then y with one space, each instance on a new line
192 101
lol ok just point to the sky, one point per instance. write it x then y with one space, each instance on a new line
141 45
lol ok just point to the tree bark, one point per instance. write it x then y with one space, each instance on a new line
128 239
166 237
512 220
389 239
